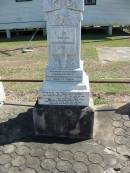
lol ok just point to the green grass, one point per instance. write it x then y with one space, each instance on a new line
100 101
17 65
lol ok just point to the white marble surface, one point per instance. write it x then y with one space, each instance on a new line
65 81
53 5
65 93
2 93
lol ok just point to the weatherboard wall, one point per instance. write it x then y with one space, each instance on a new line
18 15
29 14
107 12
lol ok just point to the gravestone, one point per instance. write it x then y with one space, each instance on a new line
63 107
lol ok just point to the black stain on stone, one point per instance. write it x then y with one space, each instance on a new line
64 121
21 129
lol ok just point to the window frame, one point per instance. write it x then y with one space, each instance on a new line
92 3
23 0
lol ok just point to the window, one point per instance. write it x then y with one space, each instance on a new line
90 2
22 0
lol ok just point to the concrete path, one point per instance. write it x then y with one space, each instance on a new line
22 152
108 54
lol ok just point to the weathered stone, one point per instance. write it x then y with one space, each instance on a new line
51 153
126 117
71 121
22 150
127 131
117 123
116 117
28 170
81 157
48 164
119 132
5 158
127 124
123 150
120 140
64 166
66 155
93 168
18 161
37 152
110 170
95 158
80 167
33 162
9 149
110 160
7 165
14 170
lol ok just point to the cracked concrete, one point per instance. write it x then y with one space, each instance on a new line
22 152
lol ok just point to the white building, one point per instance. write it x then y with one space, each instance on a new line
107 13
20 14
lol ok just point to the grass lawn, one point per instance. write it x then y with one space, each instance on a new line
17 65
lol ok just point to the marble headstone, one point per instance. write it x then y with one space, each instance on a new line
63 106
65 80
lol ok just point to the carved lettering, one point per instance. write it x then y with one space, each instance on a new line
61 98
62 35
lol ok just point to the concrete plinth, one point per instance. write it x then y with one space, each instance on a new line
63 121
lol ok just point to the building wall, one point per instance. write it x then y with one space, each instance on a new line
16 15
107 12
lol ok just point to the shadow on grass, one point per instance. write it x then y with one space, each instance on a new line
20 129
91 34
99 35
24 36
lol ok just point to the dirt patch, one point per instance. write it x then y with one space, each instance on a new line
19 51
112 98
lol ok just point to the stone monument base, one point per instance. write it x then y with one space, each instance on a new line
63 121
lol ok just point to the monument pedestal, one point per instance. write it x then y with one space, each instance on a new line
76 93
63 121
64 109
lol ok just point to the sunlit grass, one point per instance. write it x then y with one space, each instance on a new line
17 65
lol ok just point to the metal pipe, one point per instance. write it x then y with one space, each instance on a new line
26 105
18 104
20 80
91 81
111 81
